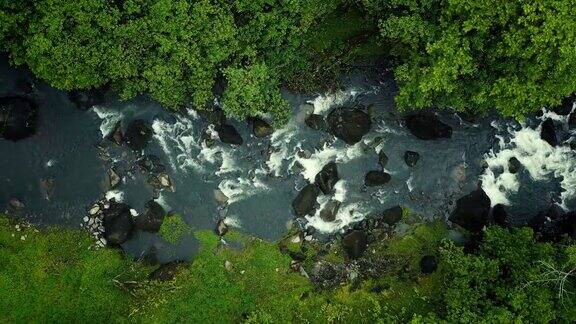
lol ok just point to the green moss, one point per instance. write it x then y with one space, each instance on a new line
173 229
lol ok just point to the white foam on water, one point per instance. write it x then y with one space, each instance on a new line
117 195
237 189
109 119
50 163
538 158
233 221
324 103
409 183
311 166
161 200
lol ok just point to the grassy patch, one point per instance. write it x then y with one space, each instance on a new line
174 228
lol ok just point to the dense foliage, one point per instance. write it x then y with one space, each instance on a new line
52 275
516 56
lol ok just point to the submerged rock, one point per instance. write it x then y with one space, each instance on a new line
428 264
117 134
548 132
411 158
86 99
349 125
327 178
18 118
355 243
392 216
316 122
427 126
376 178
305 201
261 128
138 134
152 218
168 271
228 134
47 187
118 223
472 211
330 210
382 159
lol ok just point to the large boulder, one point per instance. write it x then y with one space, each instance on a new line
261 128
472 211
548 132
349 125
376 178
392 216
118 223
427 126
18 118
355 243
152 218
304 203
327 178
228 134
330 210
138 134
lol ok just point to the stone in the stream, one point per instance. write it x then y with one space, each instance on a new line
500 215
94 210
316 122
86 99
305 201
330 210
47 187
411 158
355 243
221 228
151 164
167 271
118 223
572 121
261 128
427 126
392 216
18 118
113 178
327 178
548 132
428 264
566 106
376 178
152 218
472 211
514 165
138 134
382 159
117 134
220 197
349 125
228 134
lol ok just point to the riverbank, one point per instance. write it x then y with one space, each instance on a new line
419 275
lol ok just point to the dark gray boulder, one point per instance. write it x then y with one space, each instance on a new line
18 118
305 201
138 134
118 223
349 125
327 178
228 134
427 126
392 216
330 210
376 178
316 122
260 127
514 165
355 243
472 211
411 158
152 218
548 132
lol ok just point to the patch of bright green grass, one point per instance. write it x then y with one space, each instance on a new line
173 229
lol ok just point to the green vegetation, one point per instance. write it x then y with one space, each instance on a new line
53 275
173 228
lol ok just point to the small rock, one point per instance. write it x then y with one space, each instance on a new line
113 178
228 265
15 203
261 128
305 201
548 132
94 210
221 228
500 215
382 159
152 219
220 197
349 125
138 134
330 210
228 134
355 243
376 178
514 165
472 211
327 178
411 158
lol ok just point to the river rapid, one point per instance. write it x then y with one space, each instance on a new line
64 168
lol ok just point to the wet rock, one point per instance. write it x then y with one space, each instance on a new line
161 181
113 178
118 223
117 135
152 218
572 121
138 134
221 228
548 132
566 106
305 201
514 165
427 126
151 164
168 271
228 134
472 211
18 118
355 243
330 210
220 197
392 216
327 178
94 210
411 158
47 187
261 128
87 99
428 264
349 125
316 122
376 178
382 159
500 215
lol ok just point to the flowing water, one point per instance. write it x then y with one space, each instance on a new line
262 177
